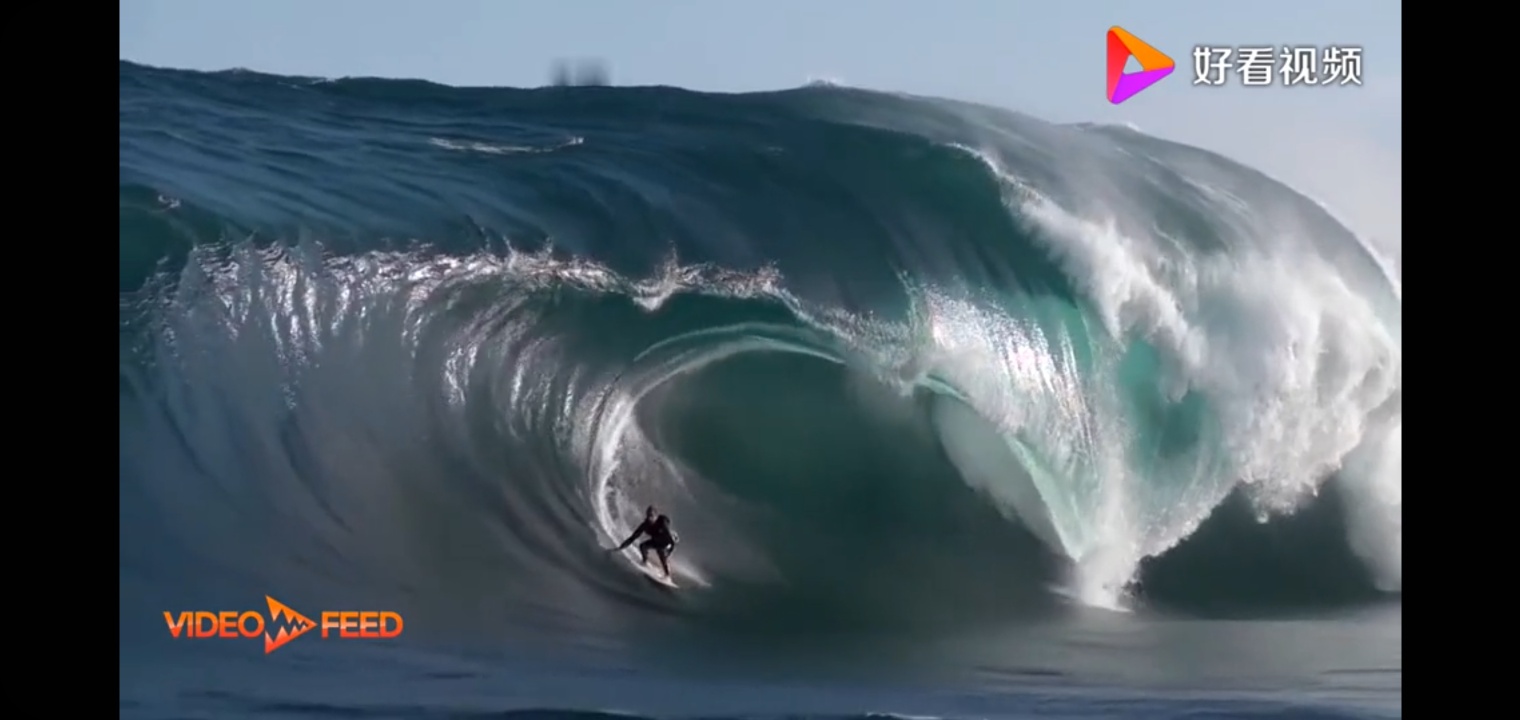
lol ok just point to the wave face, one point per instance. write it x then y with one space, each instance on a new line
886 360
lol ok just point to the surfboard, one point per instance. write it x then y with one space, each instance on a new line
656 576
650 571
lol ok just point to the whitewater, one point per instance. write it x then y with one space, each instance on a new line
901 369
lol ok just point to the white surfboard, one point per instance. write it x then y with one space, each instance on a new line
651 570
654 573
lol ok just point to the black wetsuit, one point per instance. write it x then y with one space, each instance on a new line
660 536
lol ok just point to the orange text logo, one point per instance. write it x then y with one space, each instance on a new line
283 625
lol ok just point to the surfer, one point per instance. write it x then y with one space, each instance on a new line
661 539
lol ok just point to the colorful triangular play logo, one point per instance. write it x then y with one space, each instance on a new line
1121 45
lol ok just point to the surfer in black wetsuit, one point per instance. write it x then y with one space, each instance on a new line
662 539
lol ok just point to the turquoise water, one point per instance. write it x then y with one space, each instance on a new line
959 413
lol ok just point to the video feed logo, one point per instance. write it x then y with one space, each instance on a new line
284 624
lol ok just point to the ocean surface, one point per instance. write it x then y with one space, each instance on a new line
958 413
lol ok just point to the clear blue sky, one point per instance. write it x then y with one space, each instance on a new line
1340 144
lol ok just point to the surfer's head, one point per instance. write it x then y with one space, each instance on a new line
650 512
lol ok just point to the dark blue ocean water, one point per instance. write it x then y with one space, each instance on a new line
958 413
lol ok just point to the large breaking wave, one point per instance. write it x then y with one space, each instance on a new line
884 359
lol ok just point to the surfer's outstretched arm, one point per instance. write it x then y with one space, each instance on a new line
636 533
